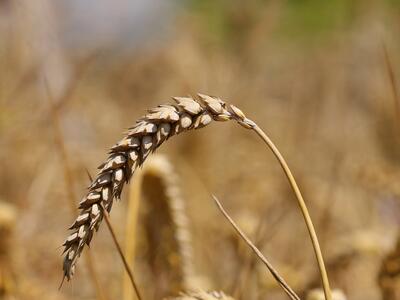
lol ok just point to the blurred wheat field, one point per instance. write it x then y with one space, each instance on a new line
321 79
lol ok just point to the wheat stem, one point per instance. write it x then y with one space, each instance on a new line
288 290
131 230
303 208
121 254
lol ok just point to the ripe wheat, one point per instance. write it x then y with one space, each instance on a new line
145 137
166 209
127 155
201 295
389 275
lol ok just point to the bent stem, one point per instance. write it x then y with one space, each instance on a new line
303 208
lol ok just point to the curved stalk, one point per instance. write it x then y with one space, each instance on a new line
148 133
303 208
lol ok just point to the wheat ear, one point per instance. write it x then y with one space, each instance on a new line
202 295
145 137
160 182
389 274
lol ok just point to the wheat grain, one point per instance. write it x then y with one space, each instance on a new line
145 137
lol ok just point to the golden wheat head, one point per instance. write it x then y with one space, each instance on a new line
202 295
128 154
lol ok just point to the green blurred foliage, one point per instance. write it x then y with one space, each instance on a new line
227 21
310 17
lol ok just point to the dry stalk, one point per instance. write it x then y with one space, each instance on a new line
261 238
145 137
303 208
394 117
114 237
393 85
159 183
288 290
8 219
131 230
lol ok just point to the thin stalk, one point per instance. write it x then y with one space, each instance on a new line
121 254
392 77
303 208
288 290
395 91
131 229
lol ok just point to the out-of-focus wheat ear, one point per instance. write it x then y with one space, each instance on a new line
389 274
202 295
159 177
318 294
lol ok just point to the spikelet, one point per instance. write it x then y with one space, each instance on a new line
127 155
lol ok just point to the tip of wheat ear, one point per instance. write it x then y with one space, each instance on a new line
143 138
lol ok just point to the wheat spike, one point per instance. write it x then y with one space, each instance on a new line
389 274
145 137
160 184
318 294
202 295
127 155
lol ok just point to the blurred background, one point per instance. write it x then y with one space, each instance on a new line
321 77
